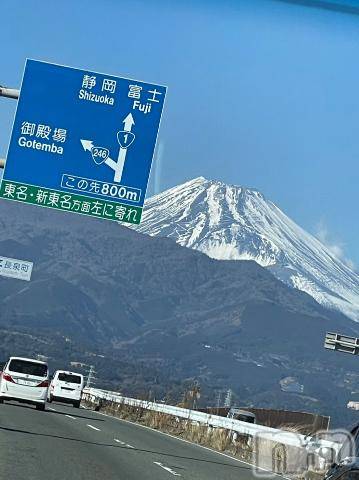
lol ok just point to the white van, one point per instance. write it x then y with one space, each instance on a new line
25 380
66 387
242 415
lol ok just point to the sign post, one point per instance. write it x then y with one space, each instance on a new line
82 142
9 92
342 343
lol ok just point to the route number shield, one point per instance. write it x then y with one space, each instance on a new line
99 154
125 138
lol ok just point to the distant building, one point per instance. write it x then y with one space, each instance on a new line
291 385
42 358
77 364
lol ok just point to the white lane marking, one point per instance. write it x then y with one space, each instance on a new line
275 475
94 428
119 441
53 409
123 443
168 469
70 416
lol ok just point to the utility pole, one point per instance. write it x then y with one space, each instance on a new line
228 399
218 398
90 377
8 93
196 394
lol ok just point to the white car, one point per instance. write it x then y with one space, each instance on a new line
25 380
66 387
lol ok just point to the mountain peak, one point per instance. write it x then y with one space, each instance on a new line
214 185
230 222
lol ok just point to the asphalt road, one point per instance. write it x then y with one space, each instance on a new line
64 443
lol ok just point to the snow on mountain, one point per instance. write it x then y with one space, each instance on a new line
228 222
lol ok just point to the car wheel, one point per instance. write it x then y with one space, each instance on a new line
1 400
77 404
40 407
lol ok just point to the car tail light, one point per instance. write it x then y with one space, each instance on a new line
7 377
45 383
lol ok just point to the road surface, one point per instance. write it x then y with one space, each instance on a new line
65 443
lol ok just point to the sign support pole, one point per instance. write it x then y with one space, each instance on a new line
8 93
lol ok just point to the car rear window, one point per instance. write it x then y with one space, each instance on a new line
28 368
66 377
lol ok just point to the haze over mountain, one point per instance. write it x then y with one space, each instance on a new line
229 222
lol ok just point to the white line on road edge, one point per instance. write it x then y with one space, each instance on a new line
168 469
94 428
53 409
73 418
274 475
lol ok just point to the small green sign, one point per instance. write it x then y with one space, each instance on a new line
70 202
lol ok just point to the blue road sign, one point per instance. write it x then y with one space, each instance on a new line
82 141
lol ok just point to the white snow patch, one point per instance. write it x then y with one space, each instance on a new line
234 223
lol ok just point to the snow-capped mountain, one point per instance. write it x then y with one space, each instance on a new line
234 223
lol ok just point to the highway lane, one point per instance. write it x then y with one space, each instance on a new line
68 443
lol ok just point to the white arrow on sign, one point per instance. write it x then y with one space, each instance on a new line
87 144
117 167
128 123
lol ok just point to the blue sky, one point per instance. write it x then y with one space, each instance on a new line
261 93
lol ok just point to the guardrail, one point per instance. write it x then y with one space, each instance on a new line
270 434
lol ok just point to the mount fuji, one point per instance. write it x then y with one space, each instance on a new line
229 222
